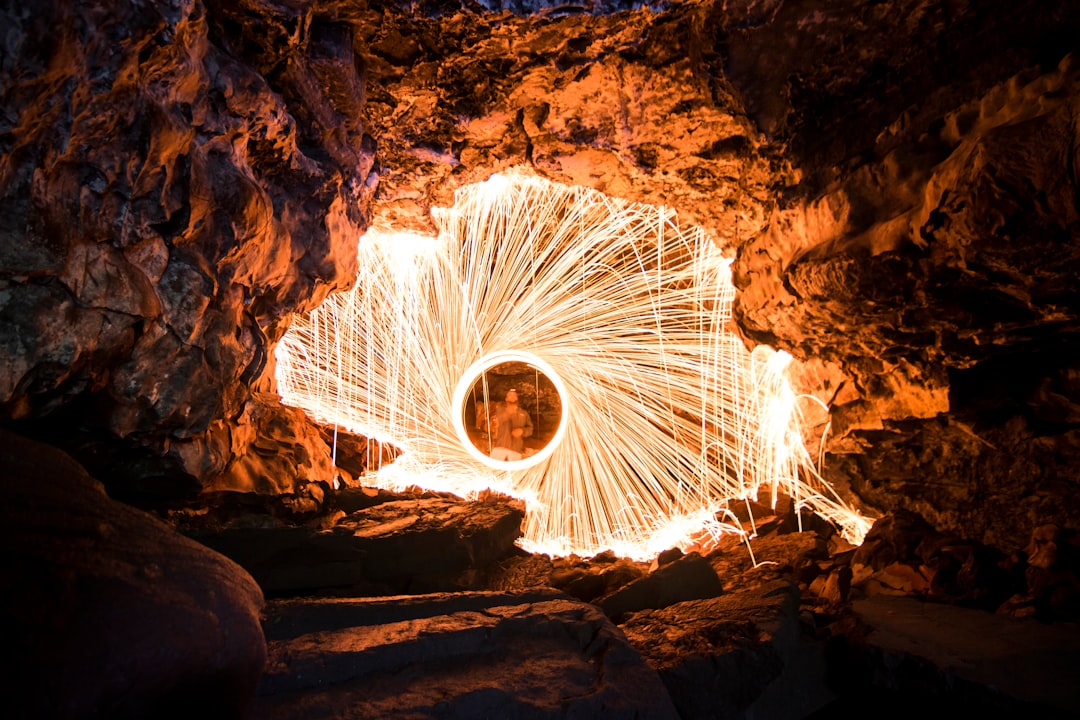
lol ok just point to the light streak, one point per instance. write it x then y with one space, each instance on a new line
667 417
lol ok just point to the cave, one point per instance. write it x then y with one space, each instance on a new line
889 188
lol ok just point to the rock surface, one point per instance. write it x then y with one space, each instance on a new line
108 612
424 544
523 655
899 203
740 655
172 190
690 577
958 659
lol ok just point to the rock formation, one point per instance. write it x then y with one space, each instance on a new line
108 612
533 654
172 191
895 181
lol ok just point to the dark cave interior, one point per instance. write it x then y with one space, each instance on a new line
897 184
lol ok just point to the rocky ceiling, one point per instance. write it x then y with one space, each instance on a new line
896 180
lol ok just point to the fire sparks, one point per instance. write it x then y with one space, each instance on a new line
666 417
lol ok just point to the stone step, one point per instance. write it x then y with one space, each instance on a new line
416 545
531 654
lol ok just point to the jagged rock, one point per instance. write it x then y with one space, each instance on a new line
418 545
767 558
585 98
277 450
435 538
904 555
521 570
691 577
214 511
833 586
739 655
356 454
355 499
108 612
900 206
588 579
1052 576
522 655
169 202
912 262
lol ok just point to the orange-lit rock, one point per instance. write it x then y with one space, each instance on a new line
167 204
535 654
894 181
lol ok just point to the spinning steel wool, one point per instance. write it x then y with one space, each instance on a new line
664 416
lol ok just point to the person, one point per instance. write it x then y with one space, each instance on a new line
511 425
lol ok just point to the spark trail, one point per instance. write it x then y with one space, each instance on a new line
669 418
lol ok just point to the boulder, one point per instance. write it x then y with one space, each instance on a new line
739 655
533 654
691 577
429 543
108 612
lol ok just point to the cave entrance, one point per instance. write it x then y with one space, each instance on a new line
666 418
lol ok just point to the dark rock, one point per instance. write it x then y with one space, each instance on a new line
435 538
833 586
742 565
667 557
739 655
521 571
691 577
579 583
401 546
227 509
108 612
532 654
895 537
903 555
958 659
588 579
1052 576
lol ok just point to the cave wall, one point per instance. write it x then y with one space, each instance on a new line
176 179
896 182
926 262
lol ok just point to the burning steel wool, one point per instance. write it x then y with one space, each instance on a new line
644 417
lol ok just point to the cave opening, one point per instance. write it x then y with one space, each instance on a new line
666 418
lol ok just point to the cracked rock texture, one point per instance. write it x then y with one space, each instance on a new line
536 654
426 544
896 183
176 179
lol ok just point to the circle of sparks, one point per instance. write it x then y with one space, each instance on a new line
668 417
465 385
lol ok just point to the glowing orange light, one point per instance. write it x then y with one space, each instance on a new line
666 416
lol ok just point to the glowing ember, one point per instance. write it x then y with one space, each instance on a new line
666 416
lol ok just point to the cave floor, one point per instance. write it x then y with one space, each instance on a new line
420 605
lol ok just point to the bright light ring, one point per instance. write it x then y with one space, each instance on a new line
465 385
669 419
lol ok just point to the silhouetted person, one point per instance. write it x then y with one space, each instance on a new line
511 426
